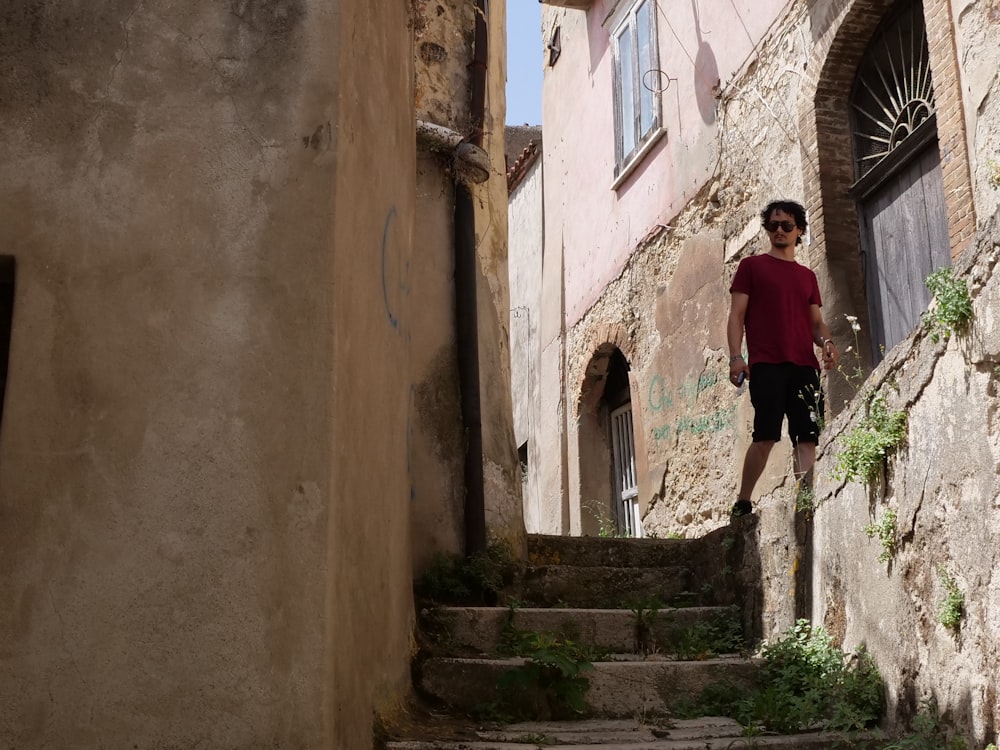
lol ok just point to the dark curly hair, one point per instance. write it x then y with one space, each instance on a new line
793 209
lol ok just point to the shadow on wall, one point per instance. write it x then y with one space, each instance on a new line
937 722
6 319
743 557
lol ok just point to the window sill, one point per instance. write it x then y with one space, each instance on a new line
638 157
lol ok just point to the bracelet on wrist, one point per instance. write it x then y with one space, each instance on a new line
735 357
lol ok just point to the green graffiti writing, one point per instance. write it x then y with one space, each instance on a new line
659 399
716 421
688 392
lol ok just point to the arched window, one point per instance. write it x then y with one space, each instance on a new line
893 95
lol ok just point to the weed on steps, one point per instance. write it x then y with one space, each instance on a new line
633 670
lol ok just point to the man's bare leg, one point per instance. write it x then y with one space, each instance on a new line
753 466
803 459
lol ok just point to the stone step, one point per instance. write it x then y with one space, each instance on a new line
610 587
711 733
647 687
615 573
683 631
584 551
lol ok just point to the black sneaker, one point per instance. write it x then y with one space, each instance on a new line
742 508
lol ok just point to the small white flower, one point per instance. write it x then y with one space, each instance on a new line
849 349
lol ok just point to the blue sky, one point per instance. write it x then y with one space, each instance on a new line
524 62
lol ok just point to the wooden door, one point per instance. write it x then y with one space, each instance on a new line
904 230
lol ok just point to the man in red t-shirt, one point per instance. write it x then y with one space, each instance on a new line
776 301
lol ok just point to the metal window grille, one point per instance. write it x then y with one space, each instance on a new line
626 486
893 92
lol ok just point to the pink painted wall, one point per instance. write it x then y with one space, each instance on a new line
602 226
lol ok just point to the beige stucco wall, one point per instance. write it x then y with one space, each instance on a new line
525 221
501 469
203 455
436 464
444 50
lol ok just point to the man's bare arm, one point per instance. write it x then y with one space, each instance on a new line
734 336
821 337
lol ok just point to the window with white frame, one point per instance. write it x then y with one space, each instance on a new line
637 103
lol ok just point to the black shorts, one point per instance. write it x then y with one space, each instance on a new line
777 391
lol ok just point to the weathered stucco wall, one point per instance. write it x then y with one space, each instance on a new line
944 487
666 310
437 443
979 57
525 220
445 48
700 46
501 469
211 206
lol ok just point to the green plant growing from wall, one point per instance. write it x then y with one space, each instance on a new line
994 172
477 579
885 531
646 612
554 671
928 732
863 451
606 526
951 607
706 639
951 309
805 498
551 682
851 367
805 682
813 399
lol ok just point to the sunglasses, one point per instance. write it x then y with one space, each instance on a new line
786 226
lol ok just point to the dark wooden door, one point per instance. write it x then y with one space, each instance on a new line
904 238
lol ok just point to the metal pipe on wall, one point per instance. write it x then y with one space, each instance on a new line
466 302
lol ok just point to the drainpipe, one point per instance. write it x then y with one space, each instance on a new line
467 320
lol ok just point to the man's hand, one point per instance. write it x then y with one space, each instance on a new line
737 366
830 355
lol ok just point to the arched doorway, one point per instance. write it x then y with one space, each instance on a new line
899 188
609 489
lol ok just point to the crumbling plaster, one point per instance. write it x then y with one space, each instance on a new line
946 475
692 421
944 486
979 56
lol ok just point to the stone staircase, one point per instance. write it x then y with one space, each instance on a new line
659 621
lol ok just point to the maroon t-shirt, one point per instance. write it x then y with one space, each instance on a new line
778 324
